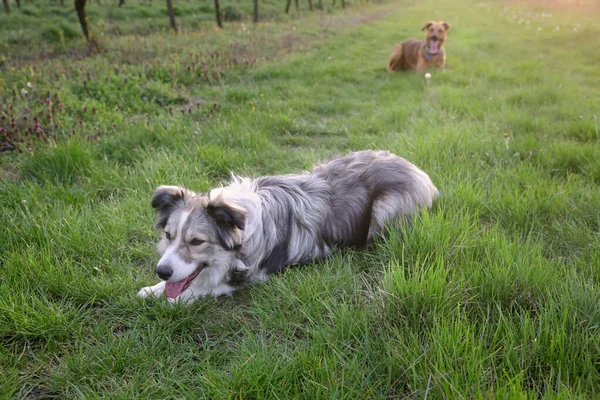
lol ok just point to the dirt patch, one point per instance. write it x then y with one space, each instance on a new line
361 19
582 6
8 174
288 40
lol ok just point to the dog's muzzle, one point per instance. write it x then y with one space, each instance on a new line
164 272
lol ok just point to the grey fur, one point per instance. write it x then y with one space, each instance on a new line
279 221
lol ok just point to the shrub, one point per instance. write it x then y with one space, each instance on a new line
230 13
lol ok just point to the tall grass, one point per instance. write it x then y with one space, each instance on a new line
492 293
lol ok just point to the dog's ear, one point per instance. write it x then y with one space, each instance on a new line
227 217
428 25
446 25
164 201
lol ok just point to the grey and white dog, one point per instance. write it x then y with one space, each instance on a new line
236 235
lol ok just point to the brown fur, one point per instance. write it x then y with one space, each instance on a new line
411 55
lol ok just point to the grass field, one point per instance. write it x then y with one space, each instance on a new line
492 293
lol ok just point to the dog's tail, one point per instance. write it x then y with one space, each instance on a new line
404 190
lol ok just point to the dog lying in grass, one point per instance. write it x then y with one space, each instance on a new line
217 242
417 55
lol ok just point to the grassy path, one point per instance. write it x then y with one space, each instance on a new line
493 292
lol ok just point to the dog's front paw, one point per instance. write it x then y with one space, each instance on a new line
146 292
152 291
184 298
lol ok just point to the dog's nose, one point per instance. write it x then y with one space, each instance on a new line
434 38
164 272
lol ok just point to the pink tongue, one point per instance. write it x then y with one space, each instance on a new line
433 47
174 289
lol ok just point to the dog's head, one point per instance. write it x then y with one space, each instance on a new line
436 33
202 234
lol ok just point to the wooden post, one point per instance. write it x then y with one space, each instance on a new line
80 9
218 14
171 15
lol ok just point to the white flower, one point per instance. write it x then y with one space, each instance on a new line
24 92
427 75
29 85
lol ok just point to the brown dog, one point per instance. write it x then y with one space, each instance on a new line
418 55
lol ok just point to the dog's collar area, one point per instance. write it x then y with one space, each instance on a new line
428 54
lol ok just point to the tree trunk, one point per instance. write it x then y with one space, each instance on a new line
121 2
287 6
310 5
255 11
6 6
18 3
218 14
171 15
62 3
343 3
297 6
320 4
80 8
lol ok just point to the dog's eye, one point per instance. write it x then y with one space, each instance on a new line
196 242
168 235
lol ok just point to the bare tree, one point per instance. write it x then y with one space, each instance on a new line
6 6
297 6
18 3
287 6
310 5
320 4
218 14
93 45
343 3
171 15
121 2
80 8
255 11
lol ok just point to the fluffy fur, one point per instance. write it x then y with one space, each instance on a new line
418 55
214 243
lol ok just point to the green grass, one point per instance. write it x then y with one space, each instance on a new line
51 27
492 293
